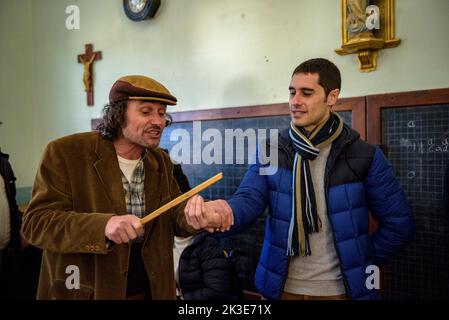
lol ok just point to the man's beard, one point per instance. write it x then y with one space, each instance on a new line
139 139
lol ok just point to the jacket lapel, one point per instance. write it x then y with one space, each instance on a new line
152 186
109 174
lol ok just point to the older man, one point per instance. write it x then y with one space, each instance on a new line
90 192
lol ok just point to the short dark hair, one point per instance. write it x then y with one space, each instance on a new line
114 118
329 74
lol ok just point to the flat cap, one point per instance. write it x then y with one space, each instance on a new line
140 88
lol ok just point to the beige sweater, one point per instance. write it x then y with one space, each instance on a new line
318 274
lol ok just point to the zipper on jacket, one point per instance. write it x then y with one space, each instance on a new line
326 191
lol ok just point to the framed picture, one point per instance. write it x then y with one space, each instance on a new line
367 26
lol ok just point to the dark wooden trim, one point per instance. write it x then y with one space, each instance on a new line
375 103
355 104
251 295
276 109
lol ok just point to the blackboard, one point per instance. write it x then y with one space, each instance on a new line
416 143
248 244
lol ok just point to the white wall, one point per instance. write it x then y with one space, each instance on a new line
209 53
17 95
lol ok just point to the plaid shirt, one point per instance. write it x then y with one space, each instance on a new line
134 192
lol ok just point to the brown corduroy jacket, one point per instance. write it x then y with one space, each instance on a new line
78 188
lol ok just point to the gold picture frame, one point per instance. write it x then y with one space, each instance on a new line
367 26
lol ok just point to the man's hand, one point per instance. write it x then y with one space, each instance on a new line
123 229
212 215
222 207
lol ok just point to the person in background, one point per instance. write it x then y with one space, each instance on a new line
19 261
207 271
11 242
203 269
179 244
317 242
180 177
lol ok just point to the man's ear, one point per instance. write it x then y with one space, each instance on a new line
332 97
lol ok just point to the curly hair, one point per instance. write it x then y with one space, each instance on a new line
113 120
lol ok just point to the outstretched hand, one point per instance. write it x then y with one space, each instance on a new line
211 215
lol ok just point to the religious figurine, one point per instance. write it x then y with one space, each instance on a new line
356 19
367 27
87 74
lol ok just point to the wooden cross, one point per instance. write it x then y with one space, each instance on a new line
87 59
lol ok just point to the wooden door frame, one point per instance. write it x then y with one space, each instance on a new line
375 104
355 104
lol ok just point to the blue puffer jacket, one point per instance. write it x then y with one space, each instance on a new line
358 178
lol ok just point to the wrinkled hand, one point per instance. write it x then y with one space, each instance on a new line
212 215
123 229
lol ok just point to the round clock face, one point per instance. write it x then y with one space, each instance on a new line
137 6
138 10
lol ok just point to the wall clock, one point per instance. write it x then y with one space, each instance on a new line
138 10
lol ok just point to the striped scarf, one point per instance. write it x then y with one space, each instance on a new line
304 219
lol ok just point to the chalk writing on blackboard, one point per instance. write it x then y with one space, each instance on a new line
411 174
426 146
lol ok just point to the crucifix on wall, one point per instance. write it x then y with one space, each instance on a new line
87 59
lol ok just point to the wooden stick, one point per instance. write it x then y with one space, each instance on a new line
181 198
